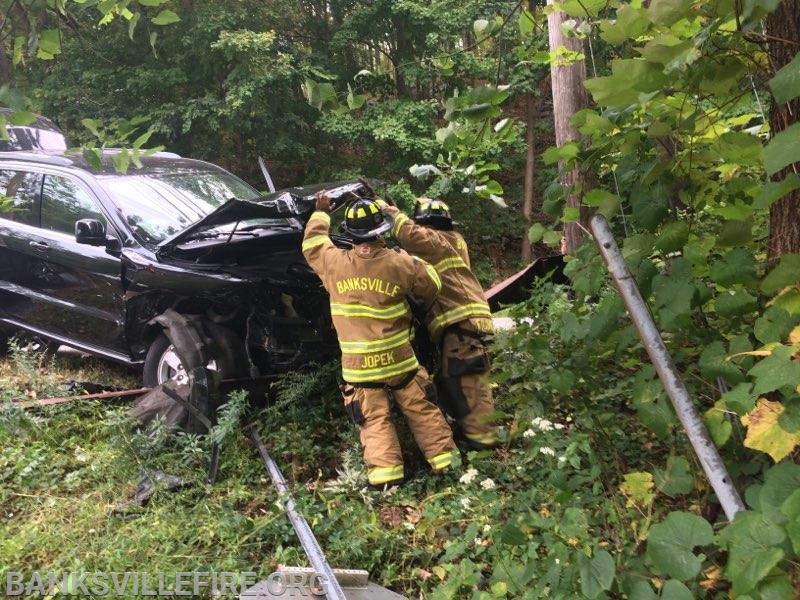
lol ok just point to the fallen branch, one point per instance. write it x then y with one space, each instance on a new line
97 396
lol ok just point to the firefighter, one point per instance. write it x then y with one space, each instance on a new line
459 320
369 287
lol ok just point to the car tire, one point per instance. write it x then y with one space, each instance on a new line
230 359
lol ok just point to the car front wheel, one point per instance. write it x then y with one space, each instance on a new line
162 362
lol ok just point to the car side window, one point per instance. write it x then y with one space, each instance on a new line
64 201
19 196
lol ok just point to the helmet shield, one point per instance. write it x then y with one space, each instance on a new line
364 220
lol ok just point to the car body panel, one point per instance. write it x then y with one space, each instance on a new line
104 299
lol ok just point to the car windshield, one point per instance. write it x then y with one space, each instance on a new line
157 205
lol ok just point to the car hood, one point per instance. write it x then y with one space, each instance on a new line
295 202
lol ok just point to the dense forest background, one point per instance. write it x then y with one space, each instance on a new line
676 120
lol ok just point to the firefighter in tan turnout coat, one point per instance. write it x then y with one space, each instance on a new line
368 287
459 319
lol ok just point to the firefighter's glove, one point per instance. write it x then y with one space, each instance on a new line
324 202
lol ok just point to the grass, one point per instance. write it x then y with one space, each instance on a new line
514 522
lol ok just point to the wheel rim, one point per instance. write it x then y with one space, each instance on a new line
170 367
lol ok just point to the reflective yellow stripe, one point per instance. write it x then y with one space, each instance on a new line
450 263
360 310
482 438
364 346
380 373
320 216
476 309
398 223
431 273
314 241
440 461
378 475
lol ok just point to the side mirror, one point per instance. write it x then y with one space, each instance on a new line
113 245
91 232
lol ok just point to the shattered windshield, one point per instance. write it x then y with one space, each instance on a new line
158 204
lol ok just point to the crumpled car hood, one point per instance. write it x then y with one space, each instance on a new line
290 202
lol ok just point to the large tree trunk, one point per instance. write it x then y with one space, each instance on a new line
783 29
569 96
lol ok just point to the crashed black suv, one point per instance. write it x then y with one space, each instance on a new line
90 258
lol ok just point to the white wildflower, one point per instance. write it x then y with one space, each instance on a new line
478 542
528 433
469 476
547 451
558 426
487 528
562 459
465 502
558 562
487 484
542 424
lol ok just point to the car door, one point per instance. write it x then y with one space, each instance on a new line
20 198
76 289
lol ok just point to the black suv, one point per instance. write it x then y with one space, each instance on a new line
89 257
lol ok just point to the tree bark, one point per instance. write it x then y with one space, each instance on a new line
783 29
569 96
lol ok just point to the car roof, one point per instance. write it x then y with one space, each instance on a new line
158 162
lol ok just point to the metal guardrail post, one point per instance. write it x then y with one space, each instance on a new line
698 435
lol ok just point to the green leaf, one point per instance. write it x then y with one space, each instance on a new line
134 20
753 551
536 232
740 399
791 508
786 84
649 204
91 125
737 266
630 23
121 161
597 573
511 535
638 489
676 479
606 203
675 590
526 23
566 152
21 117
712 364
780 484
718 424
672 237
666 12
773 191
671 543
774 325
142 139
641 590
735 304
776 370
49 44
735 233
739 147
165 17
783 149
786 273
152 2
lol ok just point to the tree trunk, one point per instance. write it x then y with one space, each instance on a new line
530 175
783 29
569 96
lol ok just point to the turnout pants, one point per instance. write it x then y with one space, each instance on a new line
415 394
466 395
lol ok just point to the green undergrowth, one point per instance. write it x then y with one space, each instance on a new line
573 504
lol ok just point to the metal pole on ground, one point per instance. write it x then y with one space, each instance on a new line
698 435
313 550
